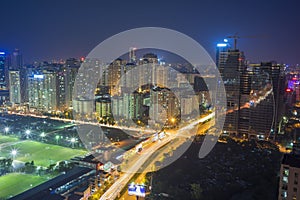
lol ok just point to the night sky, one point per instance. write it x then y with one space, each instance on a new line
46 30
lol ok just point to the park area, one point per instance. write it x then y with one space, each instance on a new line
14 183
6 139
41 153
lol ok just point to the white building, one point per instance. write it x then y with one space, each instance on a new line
14 87
42 91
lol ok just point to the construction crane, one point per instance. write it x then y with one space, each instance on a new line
235 37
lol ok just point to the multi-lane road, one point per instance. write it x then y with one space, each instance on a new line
186 131
151 161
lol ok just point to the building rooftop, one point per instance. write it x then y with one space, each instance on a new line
82 188
74 197
292 160
46 190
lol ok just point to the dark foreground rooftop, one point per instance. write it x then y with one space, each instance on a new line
45 190
292 160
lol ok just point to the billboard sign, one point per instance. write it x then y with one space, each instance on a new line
137 190
38 76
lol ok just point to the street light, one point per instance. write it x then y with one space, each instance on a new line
43 135
173 120
14 153
6 129
57 138
27 132
73 140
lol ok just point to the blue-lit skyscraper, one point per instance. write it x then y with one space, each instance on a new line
4 94
3 82
15 60
254 93
232 67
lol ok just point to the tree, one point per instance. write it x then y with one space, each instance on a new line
29 167
51 167
6 165
196 191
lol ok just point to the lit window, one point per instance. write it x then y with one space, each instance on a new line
286 171
284 194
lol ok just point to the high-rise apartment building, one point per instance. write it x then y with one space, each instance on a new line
164 105
4 94
15 61
127 106
72 66
15 87
267 80
103 106
112 75
232 66
42 91
254 93
61 88
3 81
289 178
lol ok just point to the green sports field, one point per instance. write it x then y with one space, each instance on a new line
5 139
13 184
41 153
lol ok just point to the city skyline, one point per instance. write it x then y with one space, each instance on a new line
59 30
149 100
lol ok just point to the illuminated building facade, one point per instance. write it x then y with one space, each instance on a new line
4 94
72 66
232 67
265 118
3 81
289 178
42 91
15 87
103 106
